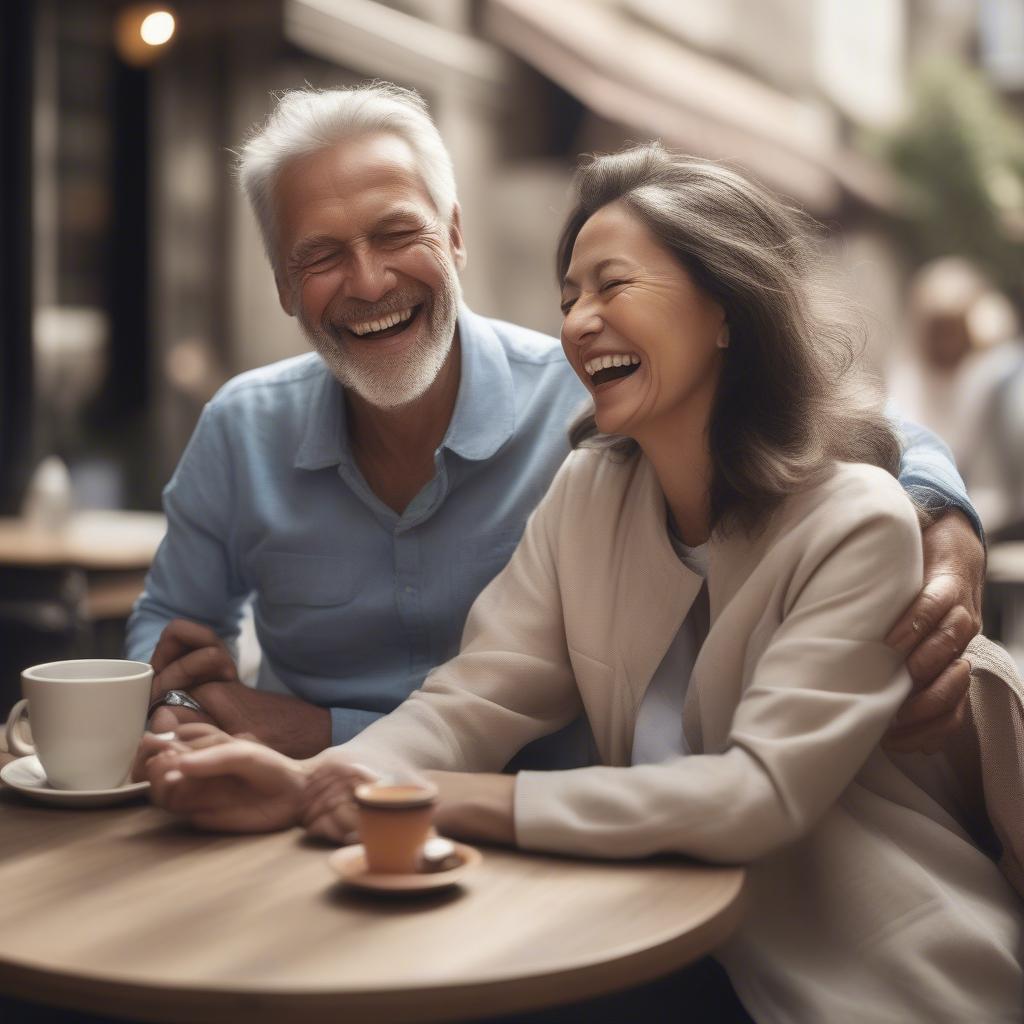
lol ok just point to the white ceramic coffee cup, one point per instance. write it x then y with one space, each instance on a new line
87 718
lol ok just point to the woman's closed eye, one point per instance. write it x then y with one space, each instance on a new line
608 286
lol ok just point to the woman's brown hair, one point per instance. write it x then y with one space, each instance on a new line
789 400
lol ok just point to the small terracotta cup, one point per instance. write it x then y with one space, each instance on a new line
394 823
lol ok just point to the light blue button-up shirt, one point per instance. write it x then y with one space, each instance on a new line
355 604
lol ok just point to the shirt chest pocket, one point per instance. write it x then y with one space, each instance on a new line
305 581
479 558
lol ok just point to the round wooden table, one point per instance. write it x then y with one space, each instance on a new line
125 911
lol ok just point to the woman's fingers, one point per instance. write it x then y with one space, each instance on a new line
332 801
200 730
334 829
150 746
259 766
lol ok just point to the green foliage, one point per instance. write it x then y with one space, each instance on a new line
960 157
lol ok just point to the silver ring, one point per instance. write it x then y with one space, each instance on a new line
175 699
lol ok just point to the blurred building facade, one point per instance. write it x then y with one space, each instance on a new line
150 284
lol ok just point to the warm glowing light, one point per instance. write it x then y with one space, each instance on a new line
157 28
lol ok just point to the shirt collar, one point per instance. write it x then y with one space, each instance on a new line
484 417
325 441
482 421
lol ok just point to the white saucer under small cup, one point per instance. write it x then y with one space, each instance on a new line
26 776
87 717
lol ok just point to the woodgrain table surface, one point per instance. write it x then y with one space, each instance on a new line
124 911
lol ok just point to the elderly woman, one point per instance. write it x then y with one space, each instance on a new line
709 579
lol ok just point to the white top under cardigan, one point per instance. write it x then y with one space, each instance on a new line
867 900
658 733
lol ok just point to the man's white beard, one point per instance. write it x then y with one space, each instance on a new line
396 380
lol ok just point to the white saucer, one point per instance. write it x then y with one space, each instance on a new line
26 775
350 863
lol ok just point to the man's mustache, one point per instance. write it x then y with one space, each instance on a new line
358 311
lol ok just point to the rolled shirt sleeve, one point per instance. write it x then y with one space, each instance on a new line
928 472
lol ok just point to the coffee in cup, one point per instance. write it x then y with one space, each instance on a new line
87 718
394 823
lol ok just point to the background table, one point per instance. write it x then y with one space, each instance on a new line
124 911
97 540
67 593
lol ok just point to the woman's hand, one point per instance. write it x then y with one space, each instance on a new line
475 805
469 806
223 783
329 804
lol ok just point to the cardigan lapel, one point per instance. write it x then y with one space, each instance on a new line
655 591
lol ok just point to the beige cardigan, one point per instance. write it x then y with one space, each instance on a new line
867 899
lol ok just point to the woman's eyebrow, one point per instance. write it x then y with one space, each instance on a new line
568 282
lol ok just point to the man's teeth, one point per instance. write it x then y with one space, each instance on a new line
606 362
370 326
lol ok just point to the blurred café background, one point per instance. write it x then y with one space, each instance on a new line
133 283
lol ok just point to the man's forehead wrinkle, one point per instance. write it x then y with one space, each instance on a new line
348 185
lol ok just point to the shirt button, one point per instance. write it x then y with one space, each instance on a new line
410 590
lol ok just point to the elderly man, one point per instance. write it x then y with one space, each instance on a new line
364 494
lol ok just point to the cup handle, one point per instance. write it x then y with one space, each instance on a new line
15 744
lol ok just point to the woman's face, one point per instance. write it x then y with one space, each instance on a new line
640 334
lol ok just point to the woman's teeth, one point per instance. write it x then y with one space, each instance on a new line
607 362
383 324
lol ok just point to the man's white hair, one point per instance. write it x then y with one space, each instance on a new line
307 120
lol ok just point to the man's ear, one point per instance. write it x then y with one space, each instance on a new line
284 294
455 239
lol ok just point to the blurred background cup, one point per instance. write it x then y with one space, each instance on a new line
394 823
86 717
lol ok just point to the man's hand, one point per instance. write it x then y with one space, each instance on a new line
189 654
223 783
193 657
933 632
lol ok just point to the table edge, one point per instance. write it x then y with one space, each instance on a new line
501 994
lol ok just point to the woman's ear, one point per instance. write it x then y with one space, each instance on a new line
722 341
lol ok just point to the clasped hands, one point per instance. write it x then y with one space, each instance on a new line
192 657
237 784
228 783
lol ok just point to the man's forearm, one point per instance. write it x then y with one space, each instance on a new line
288 724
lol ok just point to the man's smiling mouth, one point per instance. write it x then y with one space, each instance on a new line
385 326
